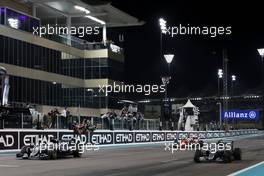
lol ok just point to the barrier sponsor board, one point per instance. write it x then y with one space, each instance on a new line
222 134
209 135
8 140
216 135
202 135
142 137
83 139
171 136
183 135
35 137
100 138
158 136
194 134
227 134
241 115
14 140
123 137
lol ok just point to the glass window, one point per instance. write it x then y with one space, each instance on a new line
33 24
2 49
2 15
19 21
95 62
103 61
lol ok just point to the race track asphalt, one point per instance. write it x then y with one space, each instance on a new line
141 160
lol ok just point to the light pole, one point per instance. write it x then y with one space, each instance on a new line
220 76
165 81
233 79
220 113
169 58
225 86
261 53
163 28
165 103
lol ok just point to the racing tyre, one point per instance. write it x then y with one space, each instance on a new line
237 154
25 152
227 158
53 155
197 155
76 153
44 156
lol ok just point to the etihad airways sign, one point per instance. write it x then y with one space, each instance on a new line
251 115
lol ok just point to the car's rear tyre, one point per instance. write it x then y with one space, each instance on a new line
25 150
43 156
76 154
237 154
227 158
53 155
197 155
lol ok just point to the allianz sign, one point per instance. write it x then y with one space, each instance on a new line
250 115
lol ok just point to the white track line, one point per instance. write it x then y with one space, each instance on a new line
248 168
11 166
167 161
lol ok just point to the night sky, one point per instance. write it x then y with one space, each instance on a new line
197 58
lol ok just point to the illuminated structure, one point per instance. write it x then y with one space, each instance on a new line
61 70
188 120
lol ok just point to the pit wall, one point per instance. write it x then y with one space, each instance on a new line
14 139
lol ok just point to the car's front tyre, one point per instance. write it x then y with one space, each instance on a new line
237 154
53 154
227 158
197 155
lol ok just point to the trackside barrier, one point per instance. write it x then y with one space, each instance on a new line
14 139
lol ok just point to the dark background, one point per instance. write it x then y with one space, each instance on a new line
197 58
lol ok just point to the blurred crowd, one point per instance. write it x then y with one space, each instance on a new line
130 119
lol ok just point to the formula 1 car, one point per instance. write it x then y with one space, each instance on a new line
226 154
83 128
51 150
186 141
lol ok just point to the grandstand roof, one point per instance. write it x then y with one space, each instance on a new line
102 10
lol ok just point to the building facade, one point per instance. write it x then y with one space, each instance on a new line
59 71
